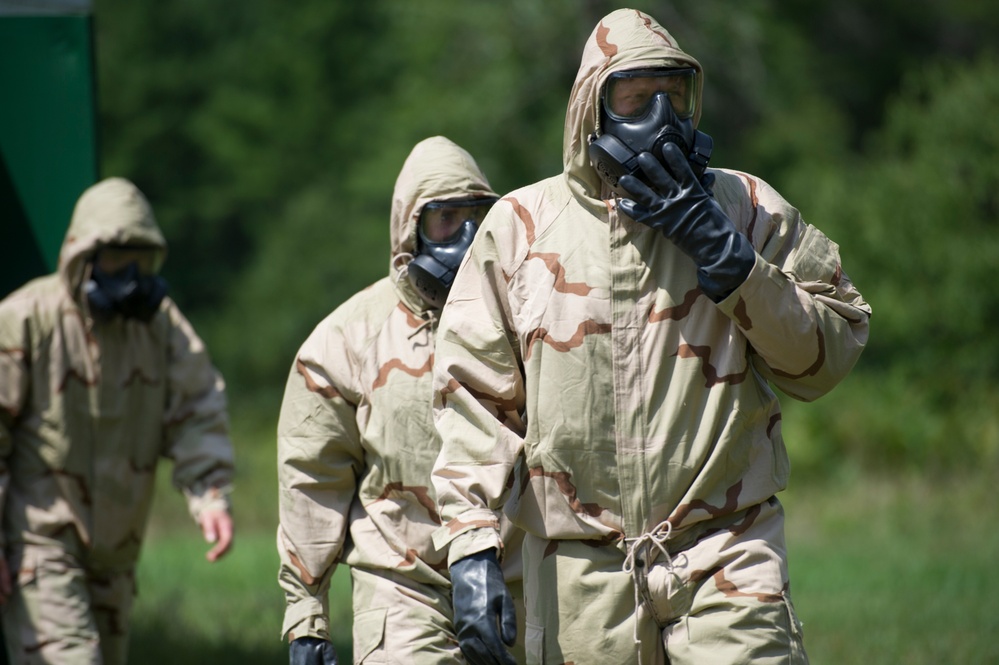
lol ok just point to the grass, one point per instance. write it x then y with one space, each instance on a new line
897 570
889 570
191 611
230 612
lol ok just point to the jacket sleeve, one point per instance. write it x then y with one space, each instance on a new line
14 386
478 396
320 458
196 422
806 322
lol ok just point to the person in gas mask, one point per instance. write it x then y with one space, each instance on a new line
619 326
101 376
356 440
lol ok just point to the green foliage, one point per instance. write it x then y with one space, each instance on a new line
916 213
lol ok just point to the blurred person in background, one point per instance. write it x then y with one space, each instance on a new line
101 376
356 439
618 325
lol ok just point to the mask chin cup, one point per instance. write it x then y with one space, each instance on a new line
145 301
431 278
612 158
433 268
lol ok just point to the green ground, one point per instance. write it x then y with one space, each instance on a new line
897 570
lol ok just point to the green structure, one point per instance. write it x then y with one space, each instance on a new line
48 130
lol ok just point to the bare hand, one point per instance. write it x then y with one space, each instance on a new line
217 527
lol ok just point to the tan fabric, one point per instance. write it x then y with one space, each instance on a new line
401 622
63 614
580 339
88 408
356 440
722 599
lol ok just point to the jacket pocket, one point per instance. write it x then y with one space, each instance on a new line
369 632
534 644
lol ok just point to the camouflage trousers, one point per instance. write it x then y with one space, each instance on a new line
62 614
402 622
711 595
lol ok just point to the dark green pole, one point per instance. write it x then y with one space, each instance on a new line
48 130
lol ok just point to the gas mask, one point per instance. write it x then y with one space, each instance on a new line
641 111
444 234
126 292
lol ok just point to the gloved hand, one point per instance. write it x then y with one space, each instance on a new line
311 651
682 208
483 610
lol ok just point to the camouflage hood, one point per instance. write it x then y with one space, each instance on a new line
112 212
88 411
624 39
436 170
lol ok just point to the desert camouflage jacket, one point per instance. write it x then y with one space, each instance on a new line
356 440
87 408
580 339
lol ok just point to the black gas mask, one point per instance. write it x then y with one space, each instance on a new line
444 234
641 111
127 291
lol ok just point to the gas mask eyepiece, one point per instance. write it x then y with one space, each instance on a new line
641 111
444 234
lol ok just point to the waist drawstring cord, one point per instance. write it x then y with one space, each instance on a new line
642 552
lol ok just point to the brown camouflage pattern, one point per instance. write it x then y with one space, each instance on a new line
88 408
722 597
399 621
580 340
64 614
356 439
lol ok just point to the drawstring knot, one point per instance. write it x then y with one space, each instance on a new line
642 545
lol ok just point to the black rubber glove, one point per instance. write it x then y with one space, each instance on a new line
683 209
311 651
483 610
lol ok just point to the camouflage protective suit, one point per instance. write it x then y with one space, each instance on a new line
356 444
87 409
580 339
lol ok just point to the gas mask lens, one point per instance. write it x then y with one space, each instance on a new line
113 258
442 221
627 94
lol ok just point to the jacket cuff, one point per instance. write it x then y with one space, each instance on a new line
749 287
202 498
469 540
477 518
305 618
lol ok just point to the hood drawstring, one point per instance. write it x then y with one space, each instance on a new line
429 321
642 553
400 263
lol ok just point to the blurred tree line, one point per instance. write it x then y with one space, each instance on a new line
268 136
